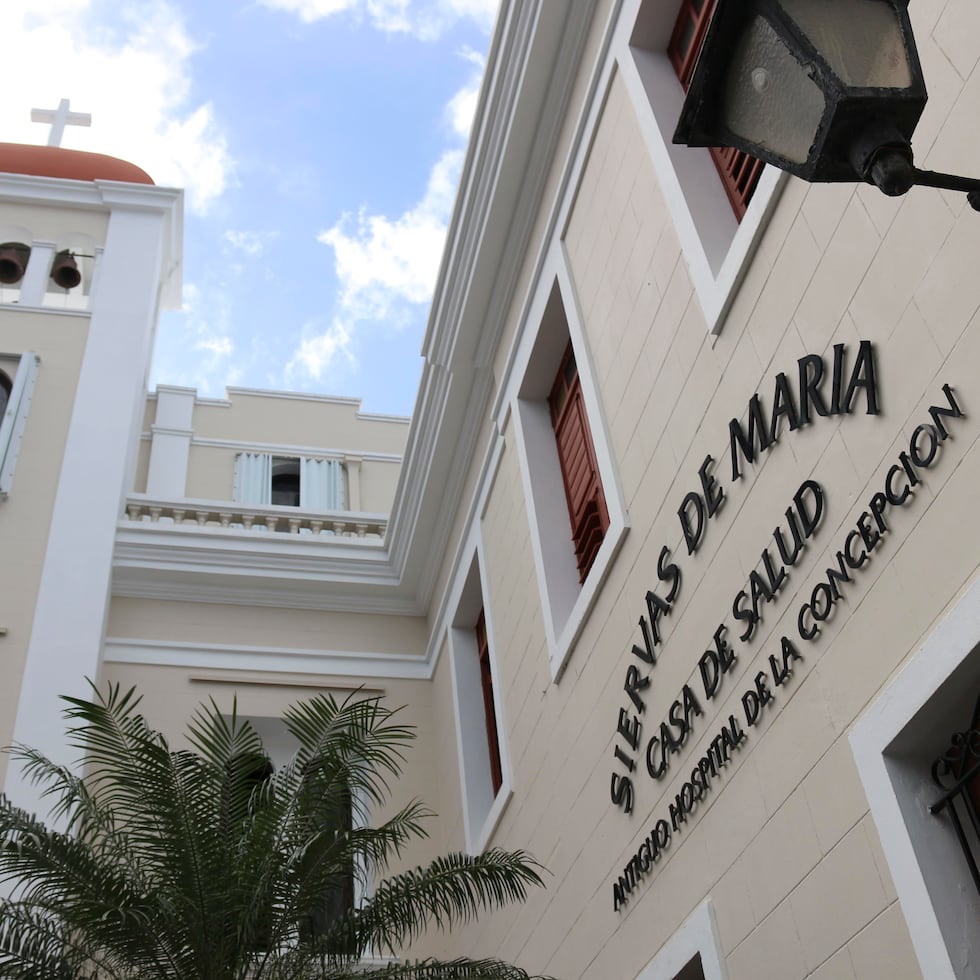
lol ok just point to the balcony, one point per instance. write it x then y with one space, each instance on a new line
237 519
195 550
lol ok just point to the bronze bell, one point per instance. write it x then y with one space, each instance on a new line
64 270
13 262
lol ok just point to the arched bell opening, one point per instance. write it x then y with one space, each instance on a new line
14 257
15 253
70 275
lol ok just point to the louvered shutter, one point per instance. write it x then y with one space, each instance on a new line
739 172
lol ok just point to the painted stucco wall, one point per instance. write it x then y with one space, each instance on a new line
317 633
783 841
25 515
51 223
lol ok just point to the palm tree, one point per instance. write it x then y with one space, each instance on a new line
204 864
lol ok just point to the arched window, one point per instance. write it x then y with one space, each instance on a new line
285 481
5 387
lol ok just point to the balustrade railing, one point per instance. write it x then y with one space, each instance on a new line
255 518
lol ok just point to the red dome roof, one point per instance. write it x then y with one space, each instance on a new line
55 161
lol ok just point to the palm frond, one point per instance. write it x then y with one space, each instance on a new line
36 946
433 969
202 863
64 877
451 890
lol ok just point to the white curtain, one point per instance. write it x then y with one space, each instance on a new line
321 484
253 478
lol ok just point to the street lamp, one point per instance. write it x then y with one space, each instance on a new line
829 90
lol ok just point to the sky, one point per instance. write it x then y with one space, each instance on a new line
319 144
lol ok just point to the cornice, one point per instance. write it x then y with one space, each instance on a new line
279 449
193 564
236 552
280 660
530 72
90 194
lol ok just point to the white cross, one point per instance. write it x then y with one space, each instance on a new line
59 118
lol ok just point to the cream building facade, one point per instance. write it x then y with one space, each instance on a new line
717 710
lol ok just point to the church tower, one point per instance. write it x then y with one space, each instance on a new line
90 250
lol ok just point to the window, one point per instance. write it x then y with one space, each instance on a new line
285 482
489 709
580 472
290 481
15 395
694 970
738 171
338 899
692 953
565 454
896 743
957 776
337 819
484 774
717 245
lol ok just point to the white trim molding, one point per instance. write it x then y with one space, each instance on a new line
482 809
696 937
564 601
281 660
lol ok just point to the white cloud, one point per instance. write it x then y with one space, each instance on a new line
204 325
219 346
252 243
426 20
380 261
386 268
132 75
318 352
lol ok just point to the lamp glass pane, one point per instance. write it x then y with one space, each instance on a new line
861 40
769 99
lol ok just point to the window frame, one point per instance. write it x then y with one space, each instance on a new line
280 746
565 600
718 248
482 807
696 937
738 172
14 418
489 701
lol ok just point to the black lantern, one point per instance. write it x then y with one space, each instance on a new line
829 90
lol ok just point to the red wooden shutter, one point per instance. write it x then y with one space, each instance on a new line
580 472
739 172
489 711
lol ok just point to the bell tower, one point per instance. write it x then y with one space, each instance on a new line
89 252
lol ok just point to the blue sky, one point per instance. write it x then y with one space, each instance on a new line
320 144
